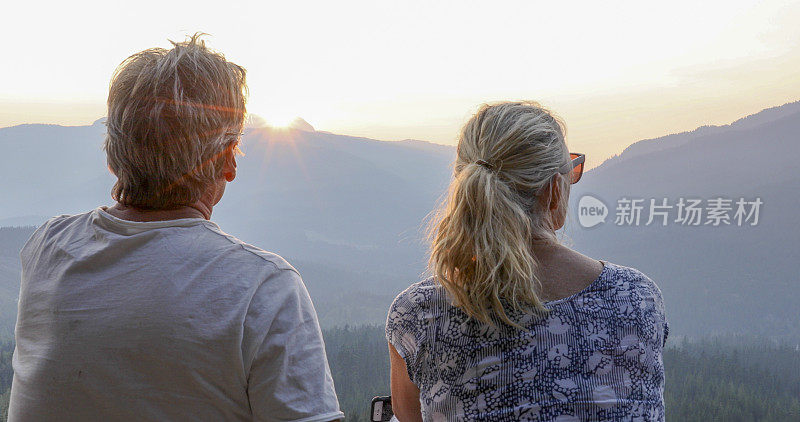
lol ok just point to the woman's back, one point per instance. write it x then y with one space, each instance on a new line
597 355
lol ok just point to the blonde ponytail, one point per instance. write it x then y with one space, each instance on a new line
482 235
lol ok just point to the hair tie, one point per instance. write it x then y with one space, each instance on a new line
485 163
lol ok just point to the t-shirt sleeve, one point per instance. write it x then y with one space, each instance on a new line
289 378
404 328
33 246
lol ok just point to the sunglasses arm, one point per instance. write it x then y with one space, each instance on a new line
575 162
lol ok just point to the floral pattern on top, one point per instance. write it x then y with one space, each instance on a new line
596 356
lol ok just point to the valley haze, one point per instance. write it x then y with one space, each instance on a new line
350 212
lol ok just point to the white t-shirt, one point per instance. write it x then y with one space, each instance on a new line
165 320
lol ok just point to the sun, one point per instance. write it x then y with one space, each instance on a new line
276 120
279 121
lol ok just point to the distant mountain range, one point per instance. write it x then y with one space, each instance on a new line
726 278
348 212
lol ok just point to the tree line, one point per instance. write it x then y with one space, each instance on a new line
718 379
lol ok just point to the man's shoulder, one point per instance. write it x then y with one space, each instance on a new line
62 221
51 228
246 251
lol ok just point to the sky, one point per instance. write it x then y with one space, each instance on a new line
615 71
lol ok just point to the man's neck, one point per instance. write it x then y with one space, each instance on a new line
196 210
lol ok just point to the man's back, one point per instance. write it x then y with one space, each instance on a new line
163 320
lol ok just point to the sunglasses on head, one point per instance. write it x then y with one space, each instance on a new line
574 167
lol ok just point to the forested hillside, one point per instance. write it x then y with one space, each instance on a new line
730 379
753 380
6 373
11 241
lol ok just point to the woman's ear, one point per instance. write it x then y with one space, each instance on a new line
545 195
549 198
557 205
555 192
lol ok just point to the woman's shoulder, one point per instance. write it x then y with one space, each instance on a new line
415 306
644 294
417 295
629 279
637 296
407 319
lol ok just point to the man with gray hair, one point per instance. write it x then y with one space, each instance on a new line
146 310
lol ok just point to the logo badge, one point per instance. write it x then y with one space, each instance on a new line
591 211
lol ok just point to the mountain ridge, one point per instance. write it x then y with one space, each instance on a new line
764 116
351 211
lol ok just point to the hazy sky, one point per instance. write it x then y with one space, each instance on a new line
616 72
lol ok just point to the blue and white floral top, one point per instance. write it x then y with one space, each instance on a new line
596 356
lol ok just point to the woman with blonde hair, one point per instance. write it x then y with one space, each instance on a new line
513 325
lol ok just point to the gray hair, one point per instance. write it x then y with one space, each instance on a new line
172 114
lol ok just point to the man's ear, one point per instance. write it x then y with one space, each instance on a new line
229 166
